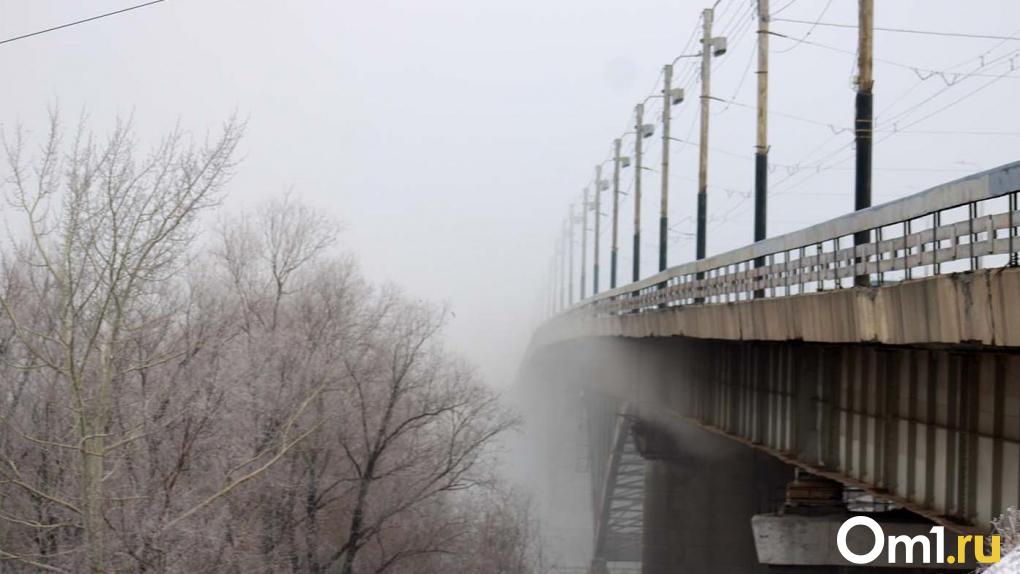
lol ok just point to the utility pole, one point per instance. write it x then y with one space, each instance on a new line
598 219
706 77
761 151
570 264
639 135
554 269
616 213
864 119
667 107
563 269
584 241
551 301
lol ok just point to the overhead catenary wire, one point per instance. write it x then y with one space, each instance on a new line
973 74
982 62
916 69
77 22
783 8
810 31
821 165
903 30
834 152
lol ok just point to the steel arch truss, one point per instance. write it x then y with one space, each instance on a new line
618 483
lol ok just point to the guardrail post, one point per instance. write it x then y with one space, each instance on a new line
771 290
800 271
907 275
836 263
936 243
818 267
878 257
1012 229
972 213
786 272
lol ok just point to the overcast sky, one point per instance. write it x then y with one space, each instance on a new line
451 135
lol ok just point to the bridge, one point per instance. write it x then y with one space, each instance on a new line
736 409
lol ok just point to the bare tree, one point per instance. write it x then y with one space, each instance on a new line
96 310
253 406
503 537
419 423
104 228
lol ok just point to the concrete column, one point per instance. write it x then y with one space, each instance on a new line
699 500
598 567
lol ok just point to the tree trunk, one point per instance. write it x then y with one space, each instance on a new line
93 455
92 466
357 524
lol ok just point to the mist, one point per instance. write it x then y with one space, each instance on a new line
449 138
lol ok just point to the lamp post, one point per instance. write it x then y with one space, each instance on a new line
584 240
710 46
641 131
570 266
598 230
600 186
863 121
761 151
670 97
619 162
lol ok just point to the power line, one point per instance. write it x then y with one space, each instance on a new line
954 102
956 133
982 63
902 30
784 7
810 31
69 24
823 165
835 128
922 73
957 77
740 85
734 26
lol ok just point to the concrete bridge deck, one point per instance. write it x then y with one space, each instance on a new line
904 389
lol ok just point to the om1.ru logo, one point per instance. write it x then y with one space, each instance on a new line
910 545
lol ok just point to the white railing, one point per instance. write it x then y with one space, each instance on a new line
962 225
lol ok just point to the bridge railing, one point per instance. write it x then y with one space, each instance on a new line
962 225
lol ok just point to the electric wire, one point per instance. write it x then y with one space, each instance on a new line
733 24
77 22
810 31
916 69
904 30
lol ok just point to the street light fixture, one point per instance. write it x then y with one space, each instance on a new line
718 45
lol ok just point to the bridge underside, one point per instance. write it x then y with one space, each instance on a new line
917 404
911 389
904 386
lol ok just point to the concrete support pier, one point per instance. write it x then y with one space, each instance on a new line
701 491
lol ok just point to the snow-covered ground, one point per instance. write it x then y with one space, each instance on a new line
1010 564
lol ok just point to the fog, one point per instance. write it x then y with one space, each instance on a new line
451 136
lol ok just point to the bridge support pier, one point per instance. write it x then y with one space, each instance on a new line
598 566
932 429
701 491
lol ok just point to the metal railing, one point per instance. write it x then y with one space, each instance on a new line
962 225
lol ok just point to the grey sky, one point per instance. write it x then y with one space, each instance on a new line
451 135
